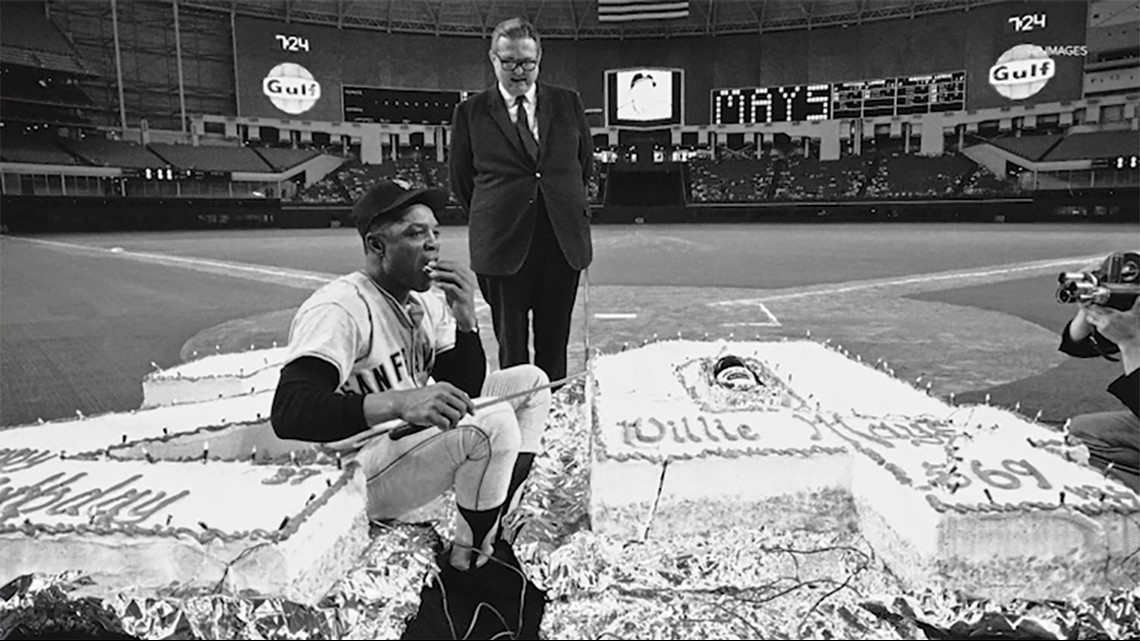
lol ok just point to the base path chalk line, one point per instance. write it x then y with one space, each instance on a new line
855 286
297 278
615 315
771 322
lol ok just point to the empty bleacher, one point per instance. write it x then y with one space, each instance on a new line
1029 147
1095 144
281 158
29 39
41 150
101 152
210 158
40 87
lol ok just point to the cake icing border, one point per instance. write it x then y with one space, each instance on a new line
83 417
166 438
161 374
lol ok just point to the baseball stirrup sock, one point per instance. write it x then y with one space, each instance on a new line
481 522
518 477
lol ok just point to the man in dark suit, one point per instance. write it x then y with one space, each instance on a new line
521 155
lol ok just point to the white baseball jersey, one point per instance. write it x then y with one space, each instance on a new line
376 343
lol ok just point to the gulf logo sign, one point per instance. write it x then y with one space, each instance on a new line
291 88
1022 71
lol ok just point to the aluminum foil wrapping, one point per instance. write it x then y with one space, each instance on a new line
373 601
941 615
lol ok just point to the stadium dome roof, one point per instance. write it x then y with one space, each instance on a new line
579 18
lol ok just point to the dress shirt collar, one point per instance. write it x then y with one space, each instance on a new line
510 100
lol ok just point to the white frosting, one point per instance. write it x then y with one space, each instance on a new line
825 377
145 527
622 496
214 377
180 527
652 403
940 491
97 432
979 458
174 495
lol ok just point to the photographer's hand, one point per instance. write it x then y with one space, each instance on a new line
1080 328
1122 328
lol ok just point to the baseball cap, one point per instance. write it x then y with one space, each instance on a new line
388 198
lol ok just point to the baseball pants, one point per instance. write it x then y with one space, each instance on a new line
477 457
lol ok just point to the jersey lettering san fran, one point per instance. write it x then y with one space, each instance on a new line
376 343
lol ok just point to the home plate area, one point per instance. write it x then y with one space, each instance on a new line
687 489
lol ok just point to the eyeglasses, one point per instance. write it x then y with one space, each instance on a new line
511 65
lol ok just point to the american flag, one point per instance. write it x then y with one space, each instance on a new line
633 10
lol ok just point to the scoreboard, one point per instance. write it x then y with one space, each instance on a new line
771 104
840 100
377 104
899 96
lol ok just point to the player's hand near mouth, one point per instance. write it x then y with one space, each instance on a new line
458 284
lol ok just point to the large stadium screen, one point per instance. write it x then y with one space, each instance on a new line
644 98
286 70
1037 55
320 73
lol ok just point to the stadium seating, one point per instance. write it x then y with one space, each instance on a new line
347 183
803 178
736 180
37 43
867 177
596 185
102 152
281 158
1029 147
41 150
210 158
980 182
1095 144
911 176
353 178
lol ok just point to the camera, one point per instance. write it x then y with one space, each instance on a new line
1115 284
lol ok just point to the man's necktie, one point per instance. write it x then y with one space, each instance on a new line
522 123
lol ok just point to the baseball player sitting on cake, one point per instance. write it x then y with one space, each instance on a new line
396 344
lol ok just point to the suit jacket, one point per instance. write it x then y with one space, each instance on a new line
497 183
